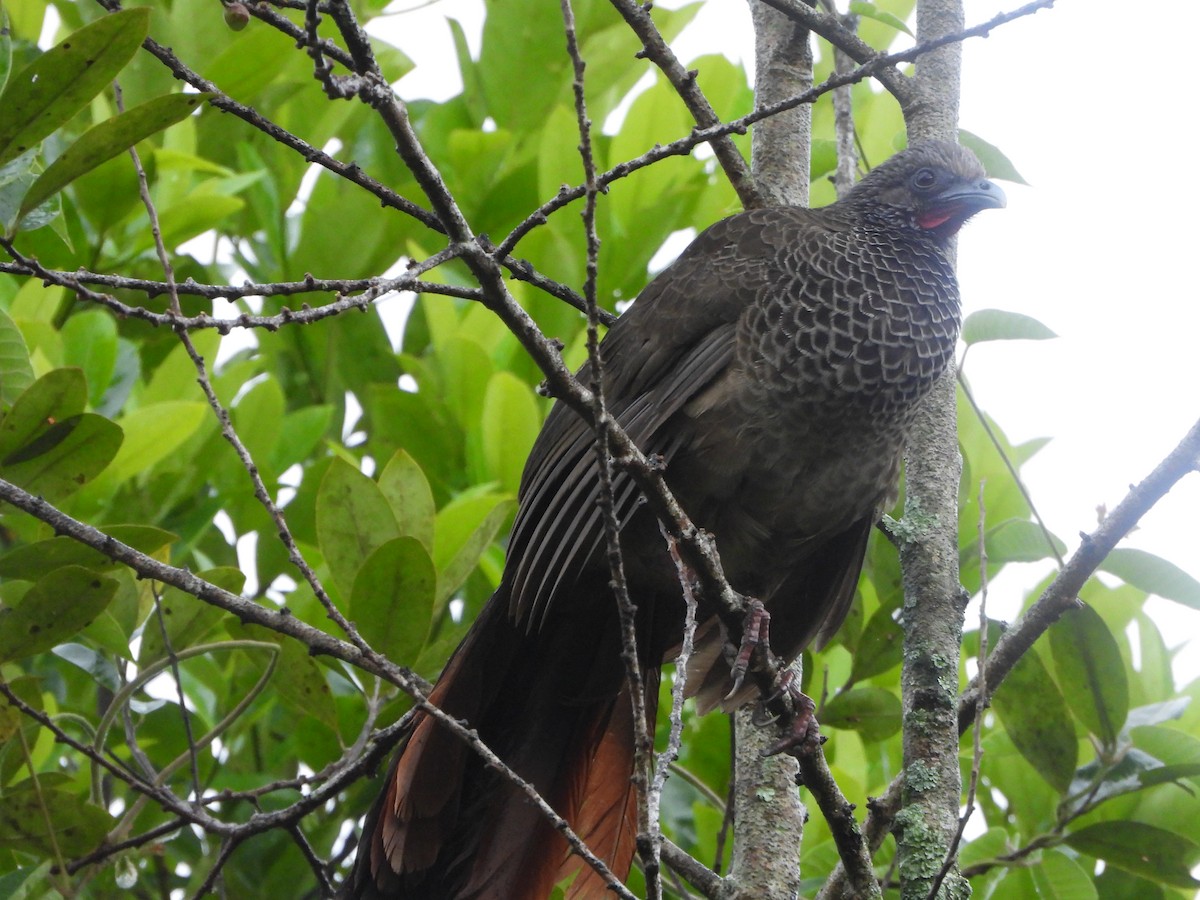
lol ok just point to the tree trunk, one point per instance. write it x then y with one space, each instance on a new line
768 815
933 606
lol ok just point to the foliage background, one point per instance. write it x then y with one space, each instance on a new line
396 459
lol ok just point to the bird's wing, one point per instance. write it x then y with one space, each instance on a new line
665 350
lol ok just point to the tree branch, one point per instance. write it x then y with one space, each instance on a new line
845 40
683 80
1059 597
1063 593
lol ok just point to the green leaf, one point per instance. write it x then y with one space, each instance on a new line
298 680
513 45
16 372
881 646
175 376
197 213
870 11
58 395
52 611
392 602
1098 781
1018 540
1117 884
187 620
98 666
994 161
1157 713
992 843
1170 774
114 628
32 561
107 140
27 882
27 689
1139 848
467 371
16 177
1091 672
1061 877
258 418
873 712
65 456
127 370
39 217
1153 574
463 530
48 92
511 421
409 496
29 812
1036 718
299 434
5 49
90 342
353 520
152 433
1002 325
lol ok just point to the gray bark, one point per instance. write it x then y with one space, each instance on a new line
768 815
933 607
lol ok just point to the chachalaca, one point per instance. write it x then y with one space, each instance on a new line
775 367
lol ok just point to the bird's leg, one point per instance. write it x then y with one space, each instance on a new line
755 633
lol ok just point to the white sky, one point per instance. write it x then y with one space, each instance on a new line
1099 248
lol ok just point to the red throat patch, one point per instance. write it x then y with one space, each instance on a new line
934 218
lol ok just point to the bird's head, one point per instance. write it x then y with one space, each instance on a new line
934 185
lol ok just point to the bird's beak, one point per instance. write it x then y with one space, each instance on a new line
959 202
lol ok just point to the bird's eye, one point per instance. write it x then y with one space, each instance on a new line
924 179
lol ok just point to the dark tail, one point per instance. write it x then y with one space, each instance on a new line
555 707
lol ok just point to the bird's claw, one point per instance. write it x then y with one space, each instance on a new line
755 631
804 732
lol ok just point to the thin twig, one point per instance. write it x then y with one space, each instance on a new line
853 850
647 806
315 863
169 272
843 110
373 289
741 125
1063 593
222 101
654 48
841 35
698 875
666 759
228 844
981 417
1059 597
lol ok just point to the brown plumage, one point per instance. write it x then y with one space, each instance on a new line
775 367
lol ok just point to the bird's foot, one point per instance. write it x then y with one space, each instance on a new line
755 631
804 733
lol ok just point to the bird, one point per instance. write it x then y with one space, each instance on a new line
773 370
